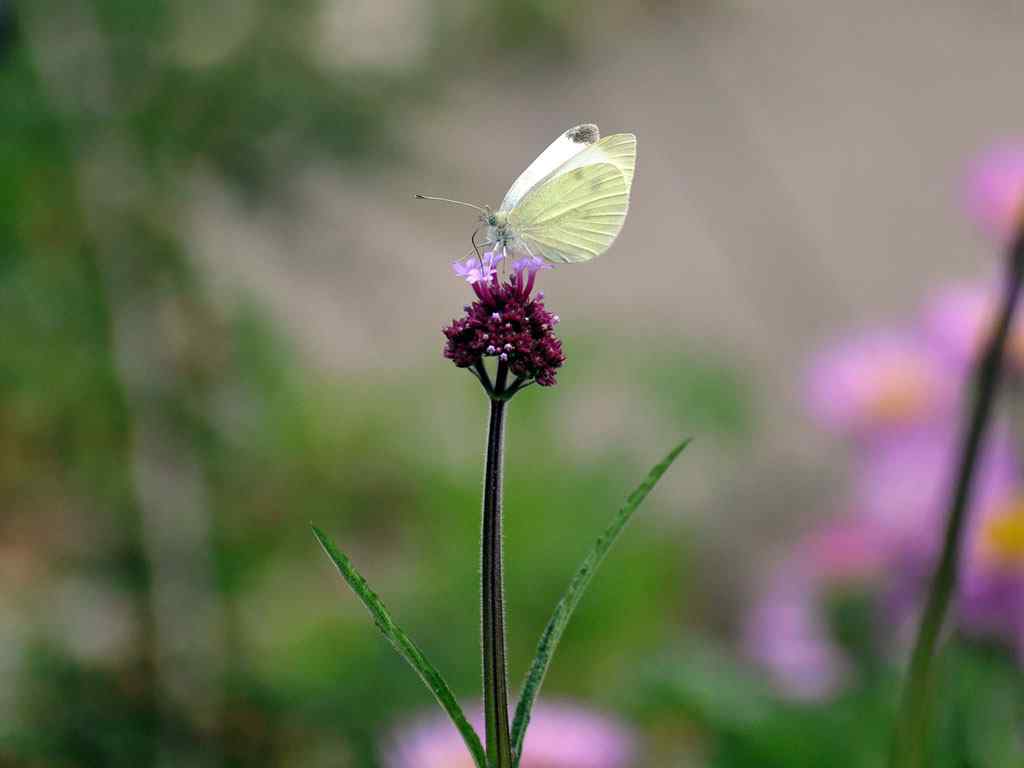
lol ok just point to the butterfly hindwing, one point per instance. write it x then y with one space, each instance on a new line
576 213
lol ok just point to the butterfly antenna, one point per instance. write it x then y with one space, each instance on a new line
454 202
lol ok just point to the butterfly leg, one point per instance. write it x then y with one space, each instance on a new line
477 246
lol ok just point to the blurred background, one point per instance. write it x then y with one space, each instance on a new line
221 314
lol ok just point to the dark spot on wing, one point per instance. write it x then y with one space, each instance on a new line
583 134
576 175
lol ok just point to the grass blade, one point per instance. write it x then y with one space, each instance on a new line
563 611
405 646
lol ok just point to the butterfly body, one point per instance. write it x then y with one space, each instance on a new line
500 235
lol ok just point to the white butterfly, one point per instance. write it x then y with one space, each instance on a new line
570 204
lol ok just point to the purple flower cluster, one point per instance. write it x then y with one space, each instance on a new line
895 398
507 322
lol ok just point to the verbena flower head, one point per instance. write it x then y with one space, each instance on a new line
877 381
560 736
994 190
507 321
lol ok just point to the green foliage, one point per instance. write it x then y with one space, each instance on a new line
110 109
982 708
746 725
703 395
91 714
704 686
405 647
277 443
577 588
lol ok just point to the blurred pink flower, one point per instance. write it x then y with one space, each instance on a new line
788 636
994 190
958 320
560 736
899 394
901 491
844 553
991 594
878 381
887 551
788 632
902 483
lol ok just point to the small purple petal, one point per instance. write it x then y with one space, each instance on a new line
470 271
530 264
475 270
491 259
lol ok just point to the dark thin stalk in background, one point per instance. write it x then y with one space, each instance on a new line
910 745
495 670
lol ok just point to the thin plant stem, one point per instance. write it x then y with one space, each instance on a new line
482 376
910 743
495 667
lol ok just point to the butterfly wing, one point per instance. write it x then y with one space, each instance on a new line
577 212
619 149
562 149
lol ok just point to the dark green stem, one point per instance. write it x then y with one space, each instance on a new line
495 673
910 745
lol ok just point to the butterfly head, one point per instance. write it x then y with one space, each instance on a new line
498 233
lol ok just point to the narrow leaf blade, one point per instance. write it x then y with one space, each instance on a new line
577 587
405 647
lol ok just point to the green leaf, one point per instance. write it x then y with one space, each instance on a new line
563 611
406 647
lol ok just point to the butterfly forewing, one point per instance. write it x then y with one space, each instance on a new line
575 214
568 145
619 149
